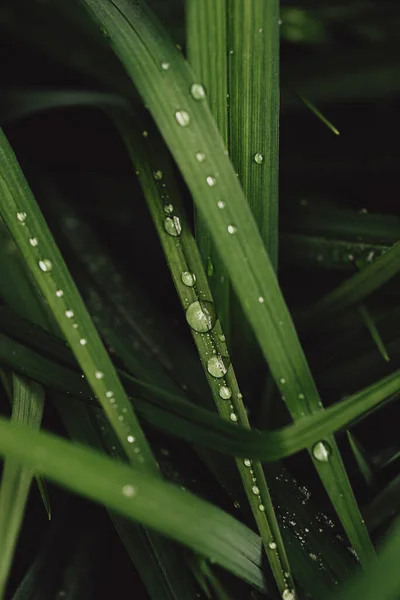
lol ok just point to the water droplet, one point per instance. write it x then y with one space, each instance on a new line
313 556
188 279
259 158
129 491
260 299
158 175
288 595
282 380
233 417
165 65
216 367
221 204
172 225
272 545
197 91
321 451
280 22
225 393
201 157
232 229
83 342
59 293
182 118
201 316
33 242
247 462
168 208
145 133
261 507
21 216
301 396
99 374
109 394
211 181
130 439
45 265
222 338
69 314
260 30
75 325
255 490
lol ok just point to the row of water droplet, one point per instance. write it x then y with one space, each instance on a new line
46 266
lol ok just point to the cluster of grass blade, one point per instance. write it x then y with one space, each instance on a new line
201 117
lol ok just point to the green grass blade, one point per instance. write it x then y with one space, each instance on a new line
372 328
178 417
28 402
137 495
361 458
318 114
190 282
357 288
206 26
188 128
29 229
253 42
154 556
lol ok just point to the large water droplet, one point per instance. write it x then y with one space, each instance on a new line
247 462
261 507
182 118
221 204
321 451
201 157
45 265
259 158
201 316
188 278
272 545
216 367
130 439
225 393
288 595
232 229
255 490
211 181
33 242
172 225
197 91
129 491
233 417
99 374
21 216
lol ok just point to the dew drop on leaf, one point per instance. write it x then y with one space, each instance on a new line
165 65
321 451
200 156
59 293
216 367
182 118
221 204
258 158
211 181
225 393
232 229
172 225
21 216
197 91
129 491
201 316
99 374
33 242
188 278
45 265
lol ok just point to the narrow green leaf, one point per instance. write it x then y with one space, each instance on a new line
361 458
195 295
137 495
29 229
181 418
188 128
372 328
28 401
318 114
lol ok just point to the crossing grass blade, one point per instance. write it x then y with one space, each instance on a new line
188 128
28 402
23 217
190 282
154 557
139 496
372 328
177 416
